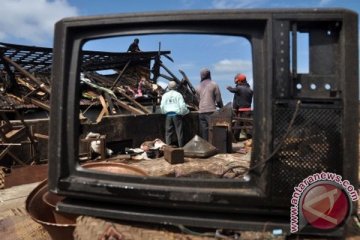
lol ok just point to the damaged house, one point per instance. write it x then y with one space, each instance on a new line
120 86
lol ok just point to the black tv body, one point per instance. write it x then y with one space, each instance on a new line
221 203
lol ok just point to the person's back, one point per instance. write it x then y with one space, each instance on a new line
173 101
209 98
243 94
209 93
173 105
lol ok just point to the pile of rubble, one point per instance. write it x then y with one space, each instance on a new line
25 80
110 83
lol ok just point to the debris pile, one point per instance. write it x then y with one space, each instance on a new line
115 82
110 83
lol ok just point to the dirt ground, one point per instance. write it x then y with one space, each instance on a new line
15 223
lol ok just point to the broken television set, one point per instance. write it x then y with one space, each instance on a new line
304 120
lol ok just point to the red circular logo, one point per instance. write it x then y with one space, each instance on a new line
325 206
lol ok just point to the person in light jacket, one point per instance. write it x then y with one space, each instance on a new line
173 105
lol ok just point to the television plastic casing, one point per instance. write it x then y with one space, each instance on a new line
221 203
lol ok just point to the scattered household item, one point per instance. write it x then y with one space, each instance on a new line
97 144
174 155
148 150
155 144
220 133
199 147
41 204
44 213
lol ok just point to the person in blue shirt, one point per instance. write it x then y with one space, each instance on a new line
173 105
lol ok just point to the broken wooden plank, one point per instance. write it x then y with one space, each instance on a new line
145 110
101 115
104 104
37 103
120 74
128 107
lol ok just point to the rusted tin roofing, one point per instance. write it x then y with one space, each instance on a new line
17 103
39 59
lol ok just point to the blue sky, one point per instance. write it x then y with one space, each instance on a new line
31 23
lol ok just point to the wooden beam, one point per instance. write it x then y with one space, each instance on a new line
133 101
37 103
101 115
104 104
128 107
120 74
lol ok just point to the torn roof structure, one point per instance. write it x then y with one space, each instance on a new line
25 79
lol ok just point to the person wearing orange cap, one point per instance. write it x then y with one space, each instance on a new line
243 95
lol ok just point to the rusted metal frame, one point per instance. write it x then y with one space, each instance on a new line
120 74
27 74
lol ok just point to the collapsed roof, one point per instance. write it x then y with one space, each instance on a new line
25 78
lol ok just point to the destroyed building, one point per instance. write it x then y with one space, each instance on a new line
111 83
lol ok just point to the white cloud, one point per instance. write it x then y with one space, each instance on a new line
32 20
225 71
325 2
237 3
233 66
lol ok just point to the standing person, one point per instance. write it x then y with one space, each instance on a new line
134 46
210 97
242 101
173 105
